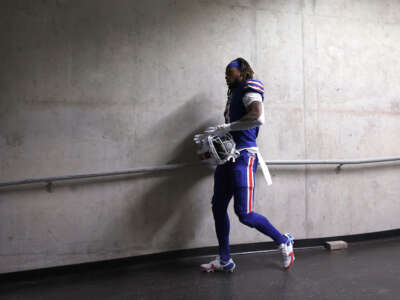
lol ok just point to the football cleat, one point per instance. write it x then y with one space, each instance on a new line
218 265
287 251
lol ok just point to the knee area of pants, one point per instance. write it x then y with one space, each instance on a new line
246 219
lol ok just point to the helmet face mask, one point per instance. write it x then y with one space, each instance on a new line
217 149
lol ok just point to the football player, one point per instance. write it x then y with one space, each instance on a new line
244 114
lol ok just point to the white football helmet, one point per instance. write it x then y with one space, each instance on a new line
216 149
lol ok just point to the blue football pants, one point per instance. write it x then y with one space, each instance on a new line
237 179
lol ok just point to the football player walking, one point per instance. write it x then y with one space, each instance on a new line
244 114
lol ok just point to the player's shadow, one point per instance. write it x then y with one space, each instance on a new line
166 215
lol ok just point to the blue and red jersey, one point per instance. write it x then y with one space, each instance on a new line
235 110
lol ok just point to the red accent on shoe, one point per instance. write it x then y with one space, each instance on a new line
291 254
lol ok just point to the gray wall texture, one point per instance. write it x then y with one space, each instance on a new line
98 85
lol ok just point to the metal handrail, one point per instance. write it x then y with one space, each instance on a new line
50 180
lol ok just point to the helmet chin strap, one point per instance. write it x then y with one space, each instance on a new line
233 155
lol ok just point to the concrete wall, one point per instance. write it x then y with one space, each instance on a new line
90 86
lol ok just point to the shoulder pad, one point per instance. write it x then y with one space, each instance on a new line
254 85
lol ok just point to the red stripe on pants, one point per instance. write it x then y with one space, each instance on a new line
250 170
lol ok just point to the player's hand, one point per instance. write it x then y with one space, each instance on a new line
218 130
198 138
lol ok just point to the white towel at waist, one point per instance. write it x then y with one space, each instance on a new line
263 166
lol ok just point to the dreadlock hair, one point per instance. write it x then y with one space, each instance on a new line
246 72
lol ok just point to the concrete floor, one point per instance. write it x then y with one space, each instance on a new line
366 270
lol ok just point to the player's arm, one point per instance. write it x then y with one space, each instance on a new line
254 116
254 113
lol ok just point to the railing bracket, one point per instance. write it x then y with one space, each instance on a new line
49 186
338 168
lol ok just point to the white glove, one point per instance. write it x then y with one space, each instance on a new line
199 138
218 130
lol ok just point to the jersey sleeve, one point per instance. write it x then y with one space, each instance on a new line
250 97
253 85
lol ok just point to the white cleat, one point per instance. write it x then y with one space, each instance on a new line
217 265
287 251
